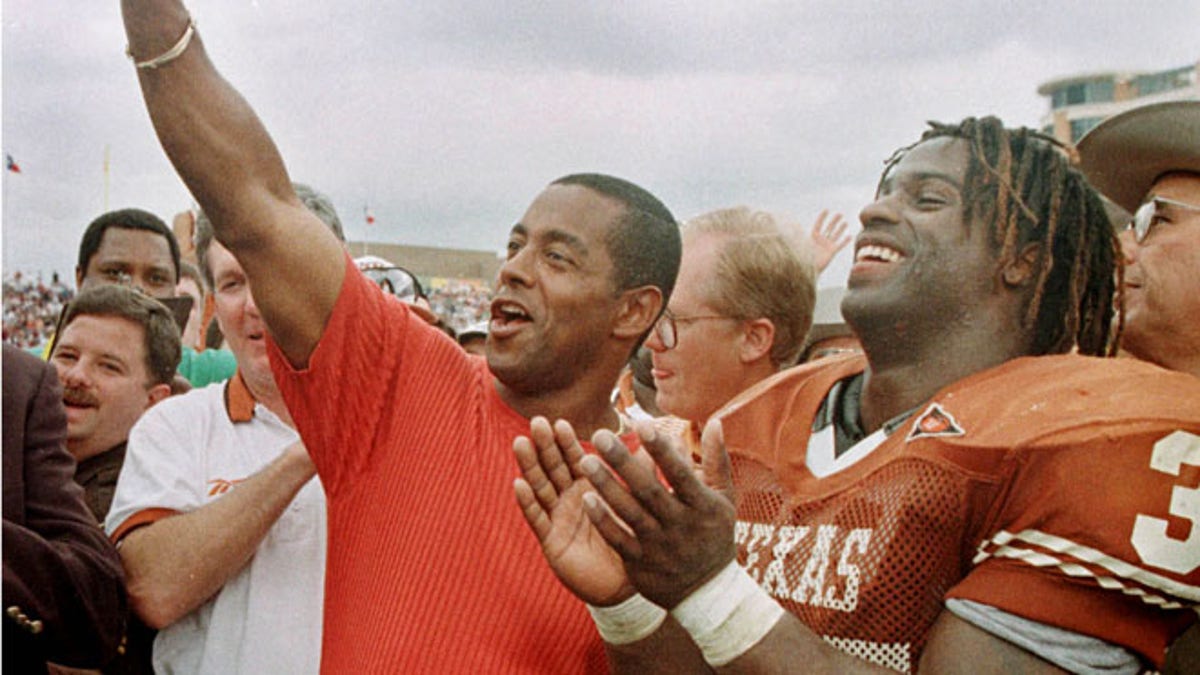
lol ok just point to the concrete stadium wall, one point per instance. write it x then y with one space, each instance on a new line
427 262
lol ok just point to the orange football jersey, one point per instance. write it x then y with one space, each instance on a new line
1062 489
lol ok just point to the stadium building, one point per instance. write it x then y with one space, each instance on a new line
1080 102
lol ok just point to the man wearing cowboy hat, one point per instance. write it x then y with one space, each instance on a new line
1147 160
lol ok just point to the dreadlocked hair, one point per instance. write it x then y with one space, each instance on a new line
1023 183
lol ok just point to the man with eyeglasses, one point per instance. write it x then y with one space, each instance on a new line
970 496
741 310
1147 160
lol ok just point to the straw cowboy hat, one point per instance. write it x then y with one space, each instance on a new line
1125 154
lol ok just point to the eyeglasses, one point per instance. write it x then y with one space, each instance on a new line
1147 216
667 330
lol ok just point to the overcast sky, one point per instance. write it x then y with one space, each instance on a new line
448 117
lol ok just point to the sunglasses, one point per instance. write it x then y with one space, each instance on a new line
1150 214
397 281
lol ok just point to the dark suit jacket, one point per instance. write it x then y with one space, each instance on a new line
64 596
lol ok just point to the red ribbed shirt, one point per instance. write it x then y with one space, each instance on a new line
431 567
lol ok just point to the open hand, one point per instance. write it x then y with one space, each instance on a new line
550 493
671 540
828 239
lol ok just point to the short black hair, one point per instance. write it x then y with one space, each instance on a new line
645 245
127 219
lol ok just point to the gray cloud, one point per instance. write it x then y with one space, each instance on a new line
448 117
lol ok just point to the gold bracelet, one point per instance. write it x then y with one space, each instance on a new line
169 55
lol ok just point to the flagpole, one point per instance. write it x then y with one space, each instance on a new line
10 167
4 210
368 219
106 152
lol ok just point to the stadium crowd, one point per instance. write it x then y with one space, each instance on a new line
979 453
31 307
460 302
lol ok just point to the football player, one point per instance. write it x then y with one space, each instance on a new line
977 491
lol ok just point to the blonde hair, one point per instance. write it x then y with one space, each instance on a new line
760 273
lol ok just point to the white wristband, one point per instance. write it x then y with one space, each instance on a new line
728 615
628 621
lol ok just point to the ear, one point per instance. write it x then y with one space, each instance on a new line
157 393
78 277
757 340
638 311
1021 269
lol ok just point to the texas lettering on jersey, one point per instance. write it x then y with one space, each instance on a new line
830 575
1060 489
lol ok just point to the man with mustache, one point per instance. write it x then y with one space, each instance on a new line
64 599
429 567
116 355
220 521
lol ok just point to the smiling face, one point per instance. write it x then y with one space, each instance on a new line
101 363
237 315
555 298
917 265
1162 277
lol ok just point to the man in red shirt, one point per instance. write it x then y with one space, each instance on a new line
968 496
429 566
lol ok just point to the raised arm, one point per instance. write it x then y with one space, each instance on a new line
827 239
233 169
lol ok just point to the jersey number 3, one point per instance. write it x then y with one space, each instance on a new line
1150 538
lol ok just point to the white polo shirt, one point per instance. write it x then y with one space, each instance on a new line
189 451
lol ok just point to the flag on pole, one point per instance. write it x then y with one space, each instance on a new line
368 216
11 164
